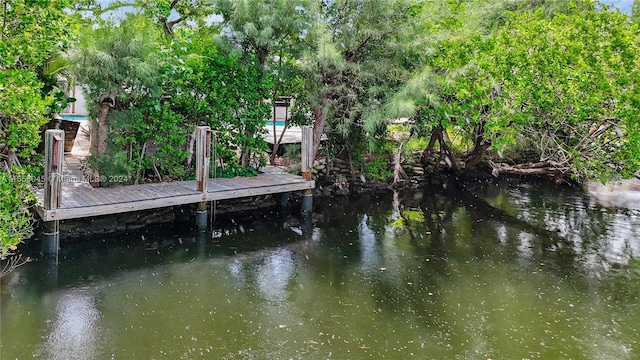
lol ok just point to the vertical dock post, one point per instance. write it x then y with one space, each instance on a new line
53 160
203 158
307 150
306 168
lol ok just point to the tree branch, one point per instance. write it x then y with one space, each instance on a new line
172 23
350 55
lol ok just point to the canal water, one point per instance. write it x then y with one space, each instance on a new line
505 270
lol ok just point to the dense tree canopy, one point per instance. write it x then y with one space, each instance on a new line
118 67
363 51
564 84
572 92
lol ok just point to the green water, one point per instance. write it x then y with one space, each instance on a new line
434 274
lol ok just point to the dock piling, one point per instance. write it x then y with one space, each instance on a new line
51 238
306 169
201 216
53 162
203 158
307 152
307 203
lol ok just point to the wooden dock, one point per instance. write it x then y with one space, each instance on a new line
61 200
83 201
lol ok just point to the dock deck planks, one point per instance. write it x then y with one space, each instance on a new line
82 201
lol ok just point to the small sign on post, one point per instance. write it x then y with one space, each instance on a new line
53 158
203 157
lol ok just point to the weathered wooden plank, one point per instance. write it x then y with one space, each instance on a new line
69 202
263 190
87 196
150 192
233 183
101 197
113 195
134 195
78 198
40 211
81 202
178 188
221 182
107 209
214 186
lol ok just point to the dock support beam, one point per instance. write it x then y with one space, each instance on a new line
53 159
203 158
306 169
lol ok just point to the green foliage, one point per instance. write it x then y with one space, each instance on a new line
413 216
379 168
165 14
150 125
114 168
118 61
262 28
563 79
417 144
225 93
358 62
233 170
15 200
22 111
573 90
32 33
124 62
293 151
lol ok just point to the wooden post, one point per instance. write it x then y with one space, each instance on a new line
203 158
306 168
53 162
307 152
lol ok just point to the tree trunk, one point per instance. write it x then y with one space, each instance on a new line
424 158
398 172
244 151
103 127
480 146
350 158
437 135
191 149
559 172
320 116
274 149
